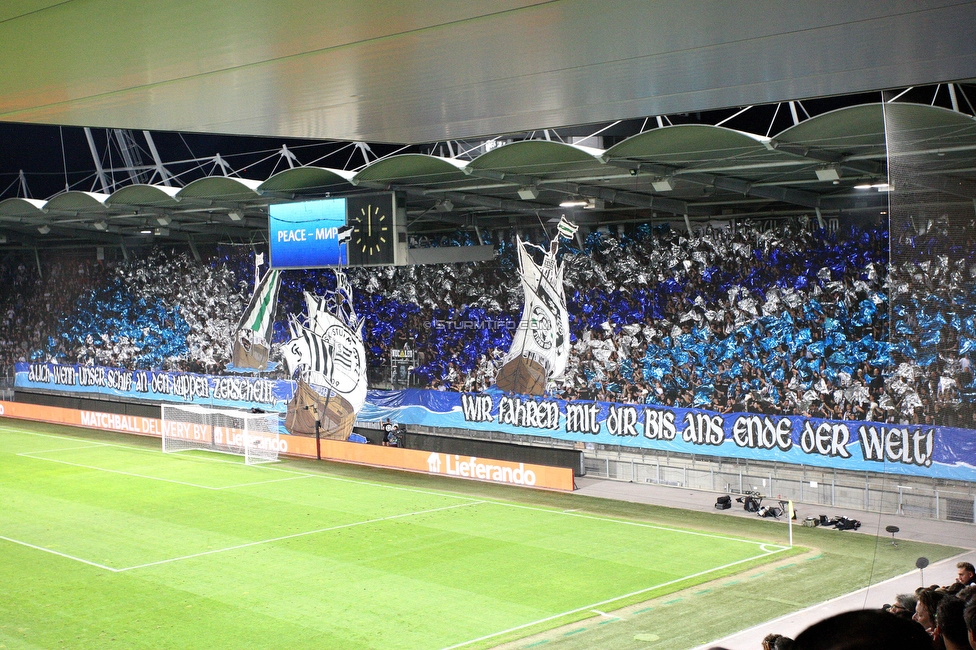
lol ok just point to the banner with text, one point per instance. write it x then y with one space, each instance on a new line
860 446
938 452
234 391
453 465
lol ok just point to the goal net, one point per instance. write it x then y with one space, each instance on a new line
252 435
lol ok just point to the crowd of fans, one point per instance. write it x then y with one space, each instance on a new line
932 618
162 311
32 305
788 319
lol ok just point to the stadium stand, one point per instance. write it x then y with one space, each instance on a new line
783 319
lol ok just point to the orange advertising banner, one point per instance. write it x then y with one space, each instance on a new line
469 467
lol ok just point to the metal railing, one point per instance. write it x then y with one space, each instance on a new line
7 388
919 497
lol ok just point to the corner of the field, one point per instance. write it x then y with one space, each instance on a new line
776 555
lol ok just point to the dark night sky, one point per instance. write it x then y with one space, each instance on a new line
38 151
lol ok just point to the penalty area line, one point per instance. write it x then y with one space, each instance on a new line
293 536
270 480
59 554
593 606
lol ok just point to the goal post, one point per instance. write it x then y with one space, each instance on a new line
252 435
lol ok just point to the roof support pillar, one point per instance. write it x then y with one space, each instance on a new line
164 174
99 171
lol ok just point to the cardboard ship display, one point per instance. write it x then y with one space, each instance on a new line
251 344
540 345
327 358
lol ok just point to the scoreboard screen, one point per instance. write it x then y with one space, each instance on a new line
354 231
306 234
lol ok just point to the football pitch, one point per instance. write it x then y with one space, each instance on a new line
107 542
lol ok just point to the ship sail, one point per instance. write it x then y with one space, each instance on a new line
327 355
251 336
540 345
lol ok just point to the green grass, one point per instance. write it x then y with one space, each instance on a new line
108 542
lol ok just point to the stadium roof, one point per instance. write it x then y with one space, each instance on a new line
416 71
445 78
825 163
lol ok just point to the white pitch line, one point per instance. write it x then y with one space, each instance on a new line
270 480
13 430
9 429
64 555
144 450
627 522
33 455
298 474
817 606
571 512
294 535
229 548
446 493
118 471
94 445
592 606
439 493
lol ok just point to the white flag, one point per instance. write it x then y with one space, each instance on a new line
259 259
567 228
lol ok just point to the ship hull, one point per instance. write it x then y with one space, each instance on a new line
255 358
336 414
523 376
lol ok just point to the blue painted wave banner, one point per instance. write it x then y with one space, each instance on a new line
938 452
231 391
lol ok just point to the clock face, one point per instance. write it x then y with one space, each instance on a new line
373 229
373 232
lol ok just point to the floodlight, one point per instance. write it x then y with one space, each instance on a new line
574 202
